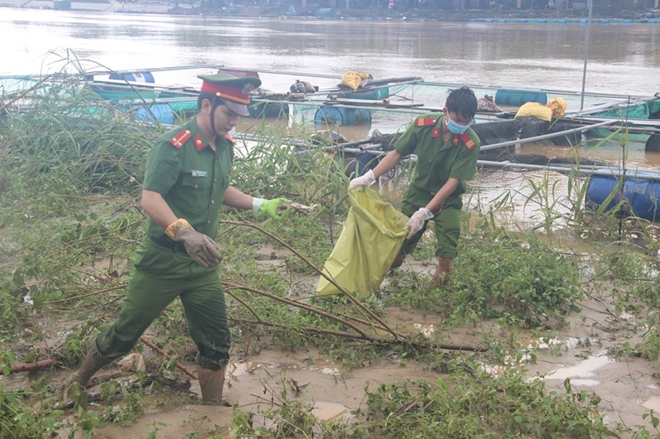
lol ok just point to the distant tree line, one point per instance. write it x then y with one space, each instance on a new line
612 7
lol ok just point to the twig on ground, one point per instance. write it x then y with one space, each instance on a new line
144 340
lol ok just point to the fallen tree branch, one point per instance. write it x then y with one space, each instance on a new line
350 297
231 285
144 340
31 367
445 346
242 302
106 290
307 328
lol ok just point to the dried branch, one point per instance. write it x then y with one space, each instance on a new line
231 285
307 328
167 356
350 297
31 367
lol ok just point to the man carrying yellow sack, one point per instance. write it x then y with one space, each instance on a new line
186 181
447 150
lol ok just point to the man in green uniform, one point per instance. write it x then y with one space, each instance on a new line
186 181
447 150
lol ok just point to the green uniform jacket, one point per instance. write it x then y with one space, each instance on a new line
436 162
191 177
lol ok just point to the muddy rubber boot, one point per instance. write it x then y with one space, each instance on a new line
89 366
442 271
211 382
398 261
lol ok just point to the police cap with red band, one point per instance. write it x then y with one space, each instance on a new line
234 91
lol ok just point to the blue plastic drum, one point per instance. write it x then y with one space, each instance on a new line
162 112
516 98
641 196
146 77
329 115
365 162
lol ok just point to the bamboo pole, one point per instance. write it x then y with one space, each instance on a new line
157 69
589 170
548 136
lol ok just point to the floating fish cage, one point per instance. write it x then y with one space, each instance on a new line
371 94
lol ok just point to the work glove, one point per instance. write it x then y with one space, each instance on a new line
272 208
201 248
366 180
416 221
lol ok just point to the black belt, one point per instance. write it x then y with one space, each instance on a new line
176 246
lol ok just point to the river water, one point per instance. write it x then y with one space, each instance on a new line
623 58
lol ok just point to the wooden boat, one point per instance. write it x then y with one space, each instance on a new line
132 90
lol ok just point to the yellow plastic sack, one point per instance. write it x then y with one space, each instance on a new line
534 109
558 107
372 236
353 79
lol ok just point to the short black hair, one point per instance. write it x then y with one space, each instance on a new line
209 97
462 101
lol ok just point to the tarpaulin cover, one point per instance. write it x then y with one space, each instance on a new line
372 236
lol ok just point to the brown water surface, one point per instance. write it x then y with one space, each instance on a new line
623 58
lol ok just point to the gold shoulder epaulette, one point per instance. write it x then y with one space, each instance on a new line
180 139
465 137
425 121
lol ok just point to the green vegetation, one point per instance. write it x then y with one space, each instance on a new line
70 172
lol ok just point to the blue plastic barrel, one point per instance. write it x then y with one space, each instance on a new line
641 195
330 115
268 109
516 98
162 112
147 77
364 163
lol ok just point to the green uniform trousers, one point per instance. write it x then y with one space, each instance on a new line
447 222
158 277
